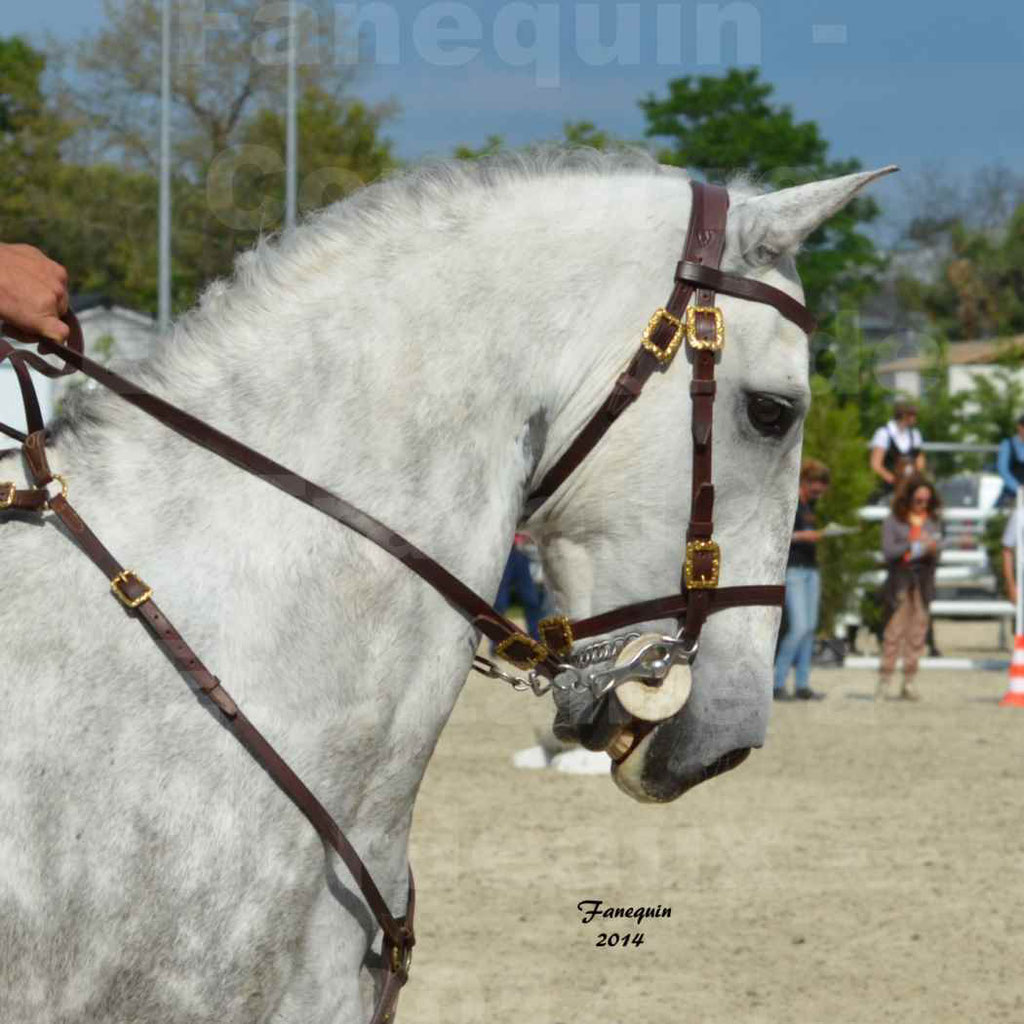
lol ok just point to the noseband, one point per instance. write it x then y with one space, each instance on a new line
549 661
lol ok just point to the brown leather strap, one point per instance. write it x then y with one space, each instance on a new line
33 413
674 606
625 392
698 267
707 242
746 288
399 937
23 501
20 360
483 617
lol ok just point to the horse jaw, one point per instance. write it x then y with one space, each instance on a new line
628 774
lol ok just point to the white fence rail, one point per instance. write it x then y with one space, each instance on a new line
958 567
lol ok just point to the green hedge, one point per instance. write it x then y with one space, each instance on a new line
832 434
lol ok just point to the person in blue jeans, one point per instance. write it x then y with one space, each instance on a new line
517 583
803 587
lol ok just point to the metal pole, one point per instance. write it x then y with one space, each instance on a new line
164 273
291 188
1018 553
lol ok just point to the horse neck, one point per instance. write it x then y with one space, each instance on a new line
426 419
425 406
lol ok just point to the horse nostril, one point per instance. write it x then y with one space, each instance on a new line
726 762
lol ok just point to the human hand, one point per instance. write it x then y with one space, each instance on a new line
1012 592
33 292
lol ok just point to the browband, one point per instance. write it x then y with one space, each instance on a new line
745 288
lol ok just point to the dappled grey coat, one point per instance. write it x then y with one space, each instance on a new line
918 572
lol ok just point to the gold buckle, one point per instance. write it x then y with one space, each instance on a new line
401 960
537 651
702 582
122 580
556 631
8 500
63 485
663 355
691 328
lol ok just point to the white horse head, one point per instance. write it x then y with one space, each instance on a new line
425 349
615 532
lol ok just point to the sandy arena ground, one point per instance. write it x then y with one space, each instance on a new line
867 865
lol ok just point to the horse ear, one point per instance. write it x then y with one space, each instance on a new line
770 225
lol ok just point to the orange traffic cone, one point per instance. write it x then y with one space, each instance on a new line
1014 696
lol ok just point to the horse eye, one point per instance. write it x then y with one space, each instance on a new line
770 416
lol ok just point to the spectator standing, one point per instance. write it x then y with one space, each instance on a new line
911 535
897 449
803 587
1010 464
517 582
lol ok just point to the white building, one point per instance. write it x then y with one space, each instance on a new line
968 360
107 329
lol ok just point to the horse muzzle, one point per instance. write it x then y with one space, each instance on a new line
633 705
615 708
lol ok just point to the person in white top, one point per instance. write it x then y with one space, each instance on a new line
897 448
897 452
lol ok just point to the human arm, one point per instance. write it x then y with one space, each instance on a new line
895 539
896 542
877 460
33 292
807 536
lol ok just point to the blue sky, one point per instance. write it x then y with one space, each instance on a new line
925 85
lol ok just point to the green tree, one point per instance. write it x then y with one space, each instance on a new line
222 72
940 412
719 126
993 404
850 364
21 95
979 290
31 135
574 133
340 149
586 133
832 434
98 217
228 88
492 144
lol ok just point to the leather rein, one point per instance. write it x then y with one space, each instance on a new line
702 329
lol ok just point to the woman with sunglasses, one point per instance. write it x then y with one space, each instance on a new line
911 535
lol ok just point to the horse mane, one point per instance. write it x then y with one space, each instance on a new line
435 195
435 191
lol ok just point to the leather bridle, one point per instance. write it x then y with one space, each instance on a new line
699 326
